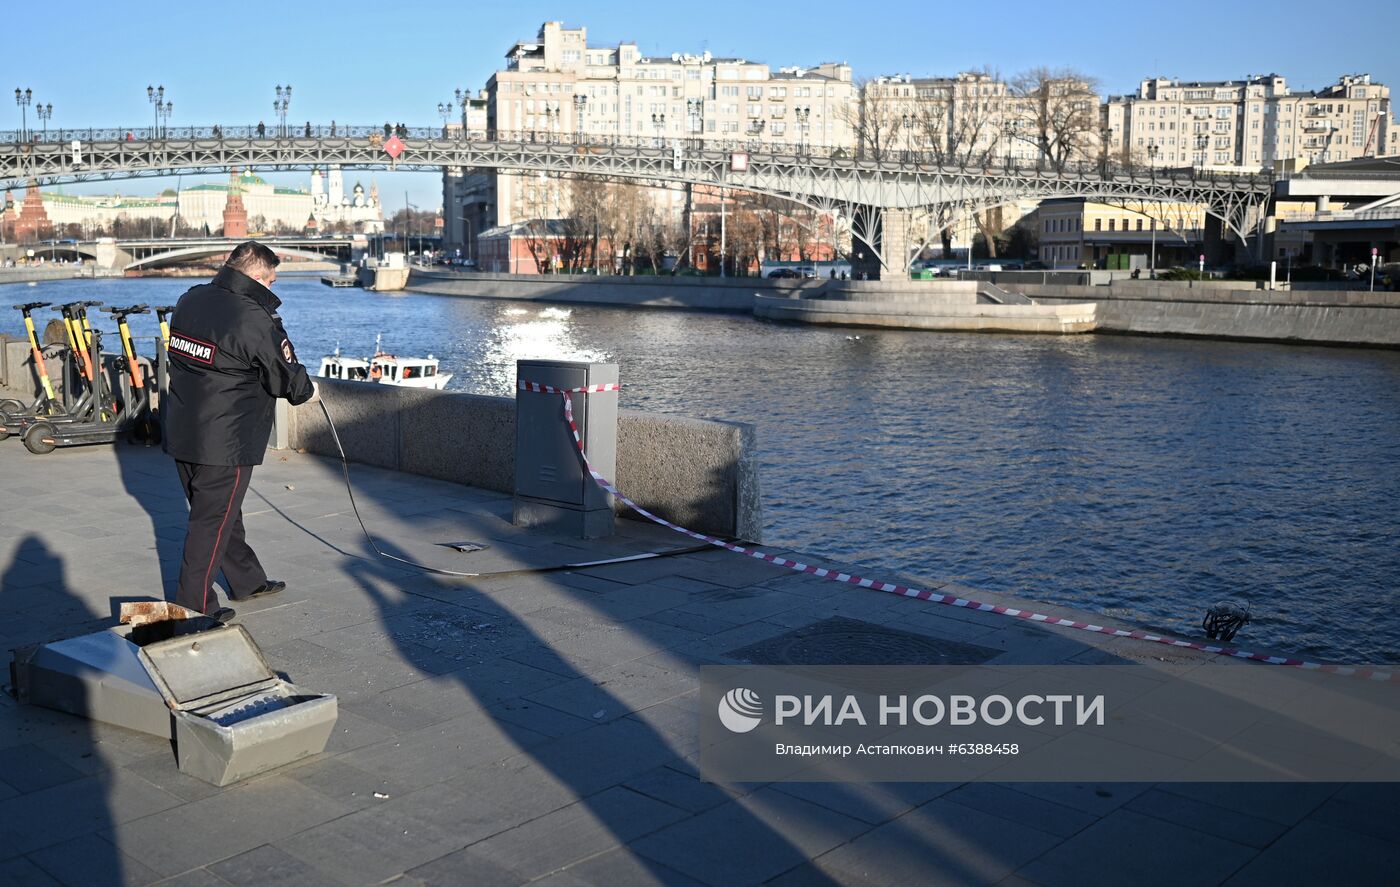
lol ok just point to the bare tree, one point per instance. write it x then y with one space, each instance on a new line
962 121
1058 112
745 240
876 116
626 208
583 224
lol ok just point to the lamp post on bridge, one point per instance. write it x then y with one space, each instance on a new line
163 113
445 112
580 107
659 121
155 95
280 105
45 112
695 110
1105 140
22 98
804 113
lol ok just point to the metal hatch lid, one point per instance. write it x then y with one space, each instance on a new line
192 667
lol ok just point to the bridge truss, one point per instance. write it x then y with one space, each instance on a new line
859 189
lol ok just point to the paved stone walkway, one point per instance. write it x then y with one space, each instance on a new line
542 726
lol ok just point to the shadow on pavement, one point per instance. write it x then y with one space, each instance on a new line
54 809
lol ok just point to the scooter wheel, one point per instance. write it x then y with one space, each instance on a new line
11 407
40 438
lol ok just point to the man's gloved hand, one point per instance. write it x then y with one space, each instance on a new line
315 393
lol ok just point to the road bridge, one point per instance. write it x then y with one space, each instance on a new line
890 199
148 253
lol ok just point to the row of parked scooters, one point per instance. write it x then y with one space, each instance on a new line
93 405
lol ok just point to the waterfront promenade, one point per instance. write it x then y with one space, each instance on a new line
544 726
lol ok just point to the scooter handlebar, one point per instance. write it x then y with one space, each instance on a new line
73 306
30 306
133 309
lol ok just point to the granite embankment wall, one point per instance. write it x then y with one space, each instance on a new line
694 293
1171 309
1210 309
701 474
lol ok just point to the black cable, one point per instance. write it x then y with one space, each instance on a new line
345 469
1225 619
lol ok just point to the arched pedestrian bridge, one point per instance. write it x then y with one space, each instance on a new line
881 194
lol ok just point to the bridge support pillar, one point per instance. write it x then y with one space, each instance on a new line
881 240
108 255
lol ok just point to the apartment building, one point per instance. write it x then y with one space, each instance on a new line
558 86
1253 124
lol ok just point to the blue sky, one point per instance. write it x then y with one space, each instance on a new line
363 62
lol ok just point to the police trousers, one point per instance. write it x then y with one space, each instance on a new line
215 540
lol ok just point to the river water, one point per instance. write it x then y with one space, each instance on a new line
1143 478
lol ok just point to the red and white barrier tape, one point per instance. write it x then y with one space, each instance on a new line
921 593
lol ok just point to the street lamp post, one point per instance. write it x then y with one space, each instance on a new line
22 99
695 109
155 95
280 105
1105 139
580 106
45 112
463 96
803 114
163 112
445 112
658 121
466 220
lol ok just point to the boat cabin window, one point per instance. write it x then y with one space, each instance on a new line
409 372
358 373
430 371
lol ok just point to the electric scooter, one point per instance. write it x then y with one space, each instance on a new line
131 414
46 403
79 409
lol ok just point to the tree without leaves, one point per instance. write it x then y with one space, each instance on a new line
1058 111
583 224
962 121
874 118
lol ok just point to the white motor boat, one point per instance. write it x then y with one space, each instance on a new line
385 369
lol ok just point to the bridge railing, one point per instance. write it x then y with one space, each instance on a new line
692 145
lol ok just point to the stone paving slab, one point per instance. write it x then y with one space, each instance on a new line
542 727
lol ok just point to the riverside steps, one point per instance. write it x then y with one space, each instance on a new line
544 725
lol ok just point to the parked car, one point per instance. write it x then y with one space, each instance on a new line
785 273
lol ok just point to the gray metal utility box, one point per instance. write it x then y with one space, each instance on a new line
233 716
552 489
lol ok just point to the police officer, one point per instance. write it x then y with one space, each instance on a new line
230 359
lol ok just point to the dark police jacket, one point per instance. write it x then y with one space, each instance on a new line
230 359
